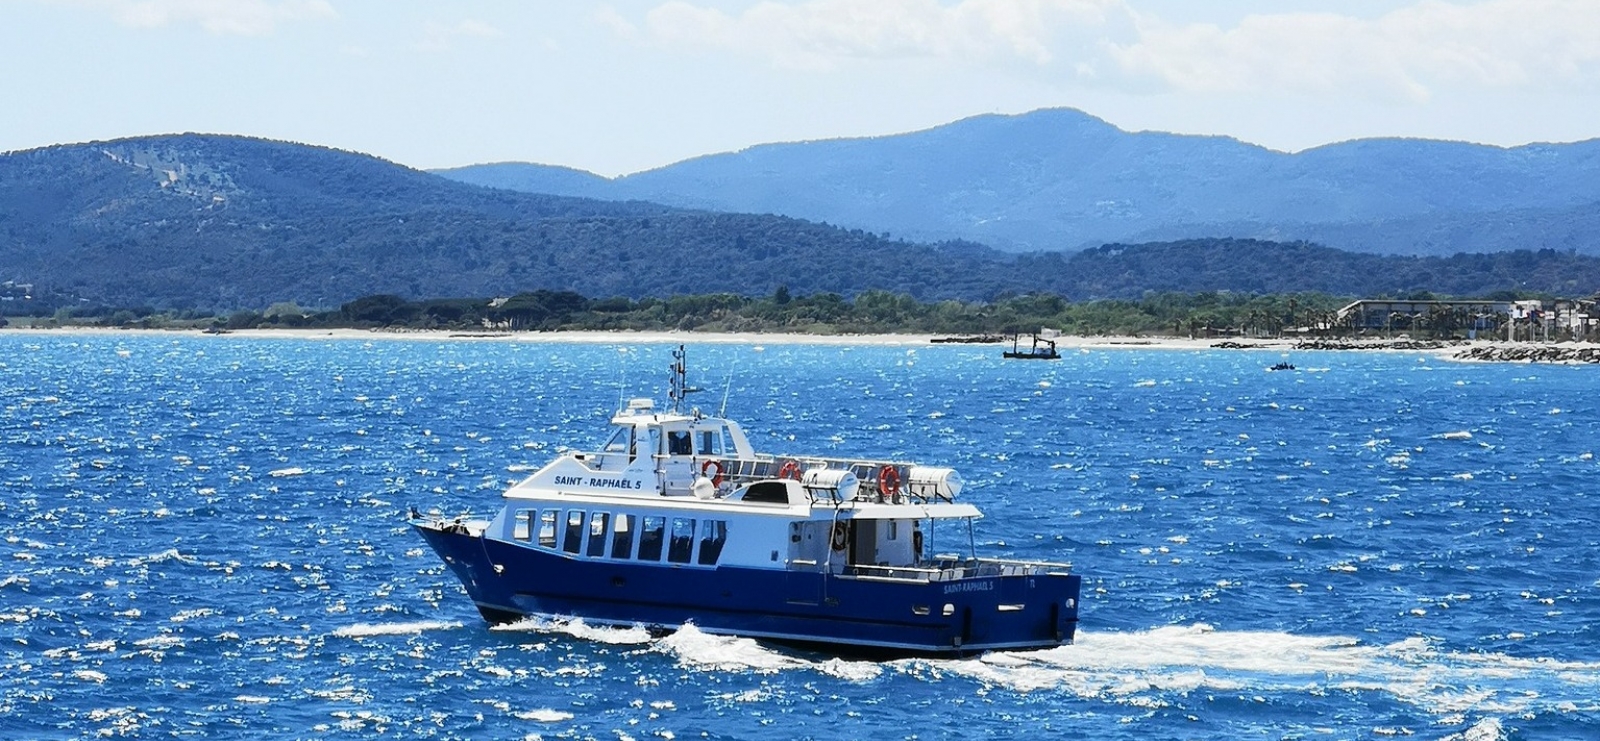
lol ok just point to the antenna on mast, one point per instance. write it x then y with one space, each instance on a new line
680 381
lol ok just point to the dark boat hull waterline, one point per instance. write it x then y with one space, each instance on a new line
856 615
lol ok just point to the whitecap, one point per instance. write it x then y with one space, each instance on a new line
160 642
577 628
1487 729
1457 435
284 472
170 554
365 630
543 715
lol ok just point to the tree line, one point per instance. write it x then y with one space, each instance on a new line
1197 314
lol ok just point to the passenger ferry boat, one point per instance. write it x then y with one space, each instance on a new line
675 519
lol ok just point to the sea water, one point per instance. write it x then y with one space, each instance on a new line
205 537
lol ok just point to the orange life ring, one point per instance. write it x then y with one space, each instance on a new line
789 470
840 536
716 478
889 482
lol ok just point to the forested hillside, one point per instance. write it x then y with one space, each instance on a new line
222 223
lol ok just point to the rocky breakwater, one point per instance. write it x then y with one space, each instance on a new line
1337 345
1532 353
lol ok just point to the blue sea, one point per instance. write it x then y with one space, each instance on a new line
205 537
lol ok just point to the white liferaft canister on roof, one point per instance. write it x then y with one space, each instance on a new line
841 481
928 483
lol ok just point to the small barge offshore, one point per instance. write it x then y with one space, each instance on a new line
676 520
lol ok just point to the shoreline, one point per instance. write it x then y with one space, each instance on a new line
625 336
1479 350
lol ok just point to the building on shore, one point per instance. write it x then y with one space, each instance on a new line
1513 321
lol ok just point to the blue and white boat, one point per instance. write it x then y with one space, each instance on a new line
675 520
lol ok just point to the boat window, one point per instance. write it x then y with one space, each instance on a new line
574 536
711 442
622 537
682 540
894 529
522 524
621 441
597 533
679 443
655 442
712 535
768 491
547 528
650 537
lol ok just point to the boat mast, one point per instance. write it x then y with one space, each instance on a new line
679 386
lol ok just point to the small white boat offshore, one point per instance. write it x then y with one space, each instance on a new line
675 519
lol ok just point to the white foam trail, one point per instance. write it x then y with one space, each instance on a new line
579 629
1137 667
695 648
392 629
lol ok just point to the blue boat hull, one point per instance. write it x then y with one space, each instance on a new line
840 613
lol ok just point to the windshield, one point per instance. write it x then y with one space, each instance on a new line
621 440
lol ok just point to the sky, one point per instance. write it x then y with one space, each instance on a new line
630 85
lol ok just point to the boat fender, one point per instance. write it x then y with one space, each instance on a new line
840 535
715 469
789 470
889 482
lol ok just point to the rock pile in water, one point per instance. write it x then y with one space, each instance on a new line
1522 353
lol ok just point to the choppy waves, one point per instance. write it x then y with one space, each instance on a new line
206 537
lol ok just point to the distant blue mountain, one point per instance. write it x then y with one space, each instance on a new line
1060 179
528 178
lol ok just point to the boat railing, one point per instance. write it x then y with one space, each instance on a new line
985 567
946 570
879 480
871 474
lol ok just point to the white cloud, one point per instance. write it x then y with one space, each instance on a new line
235 17
826 33
441 37
1404 55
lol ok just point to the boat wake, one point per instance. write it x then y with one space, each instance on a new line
694 648
1156 668
578 629
1141 668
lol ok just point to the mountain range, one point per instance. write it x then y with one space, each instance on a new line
220 222
1063 180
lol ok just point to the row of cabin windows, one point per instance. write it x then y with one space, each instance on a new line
599 534
679 442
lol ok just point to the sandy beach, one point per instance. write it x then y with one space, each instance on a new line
624 337
1472 350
